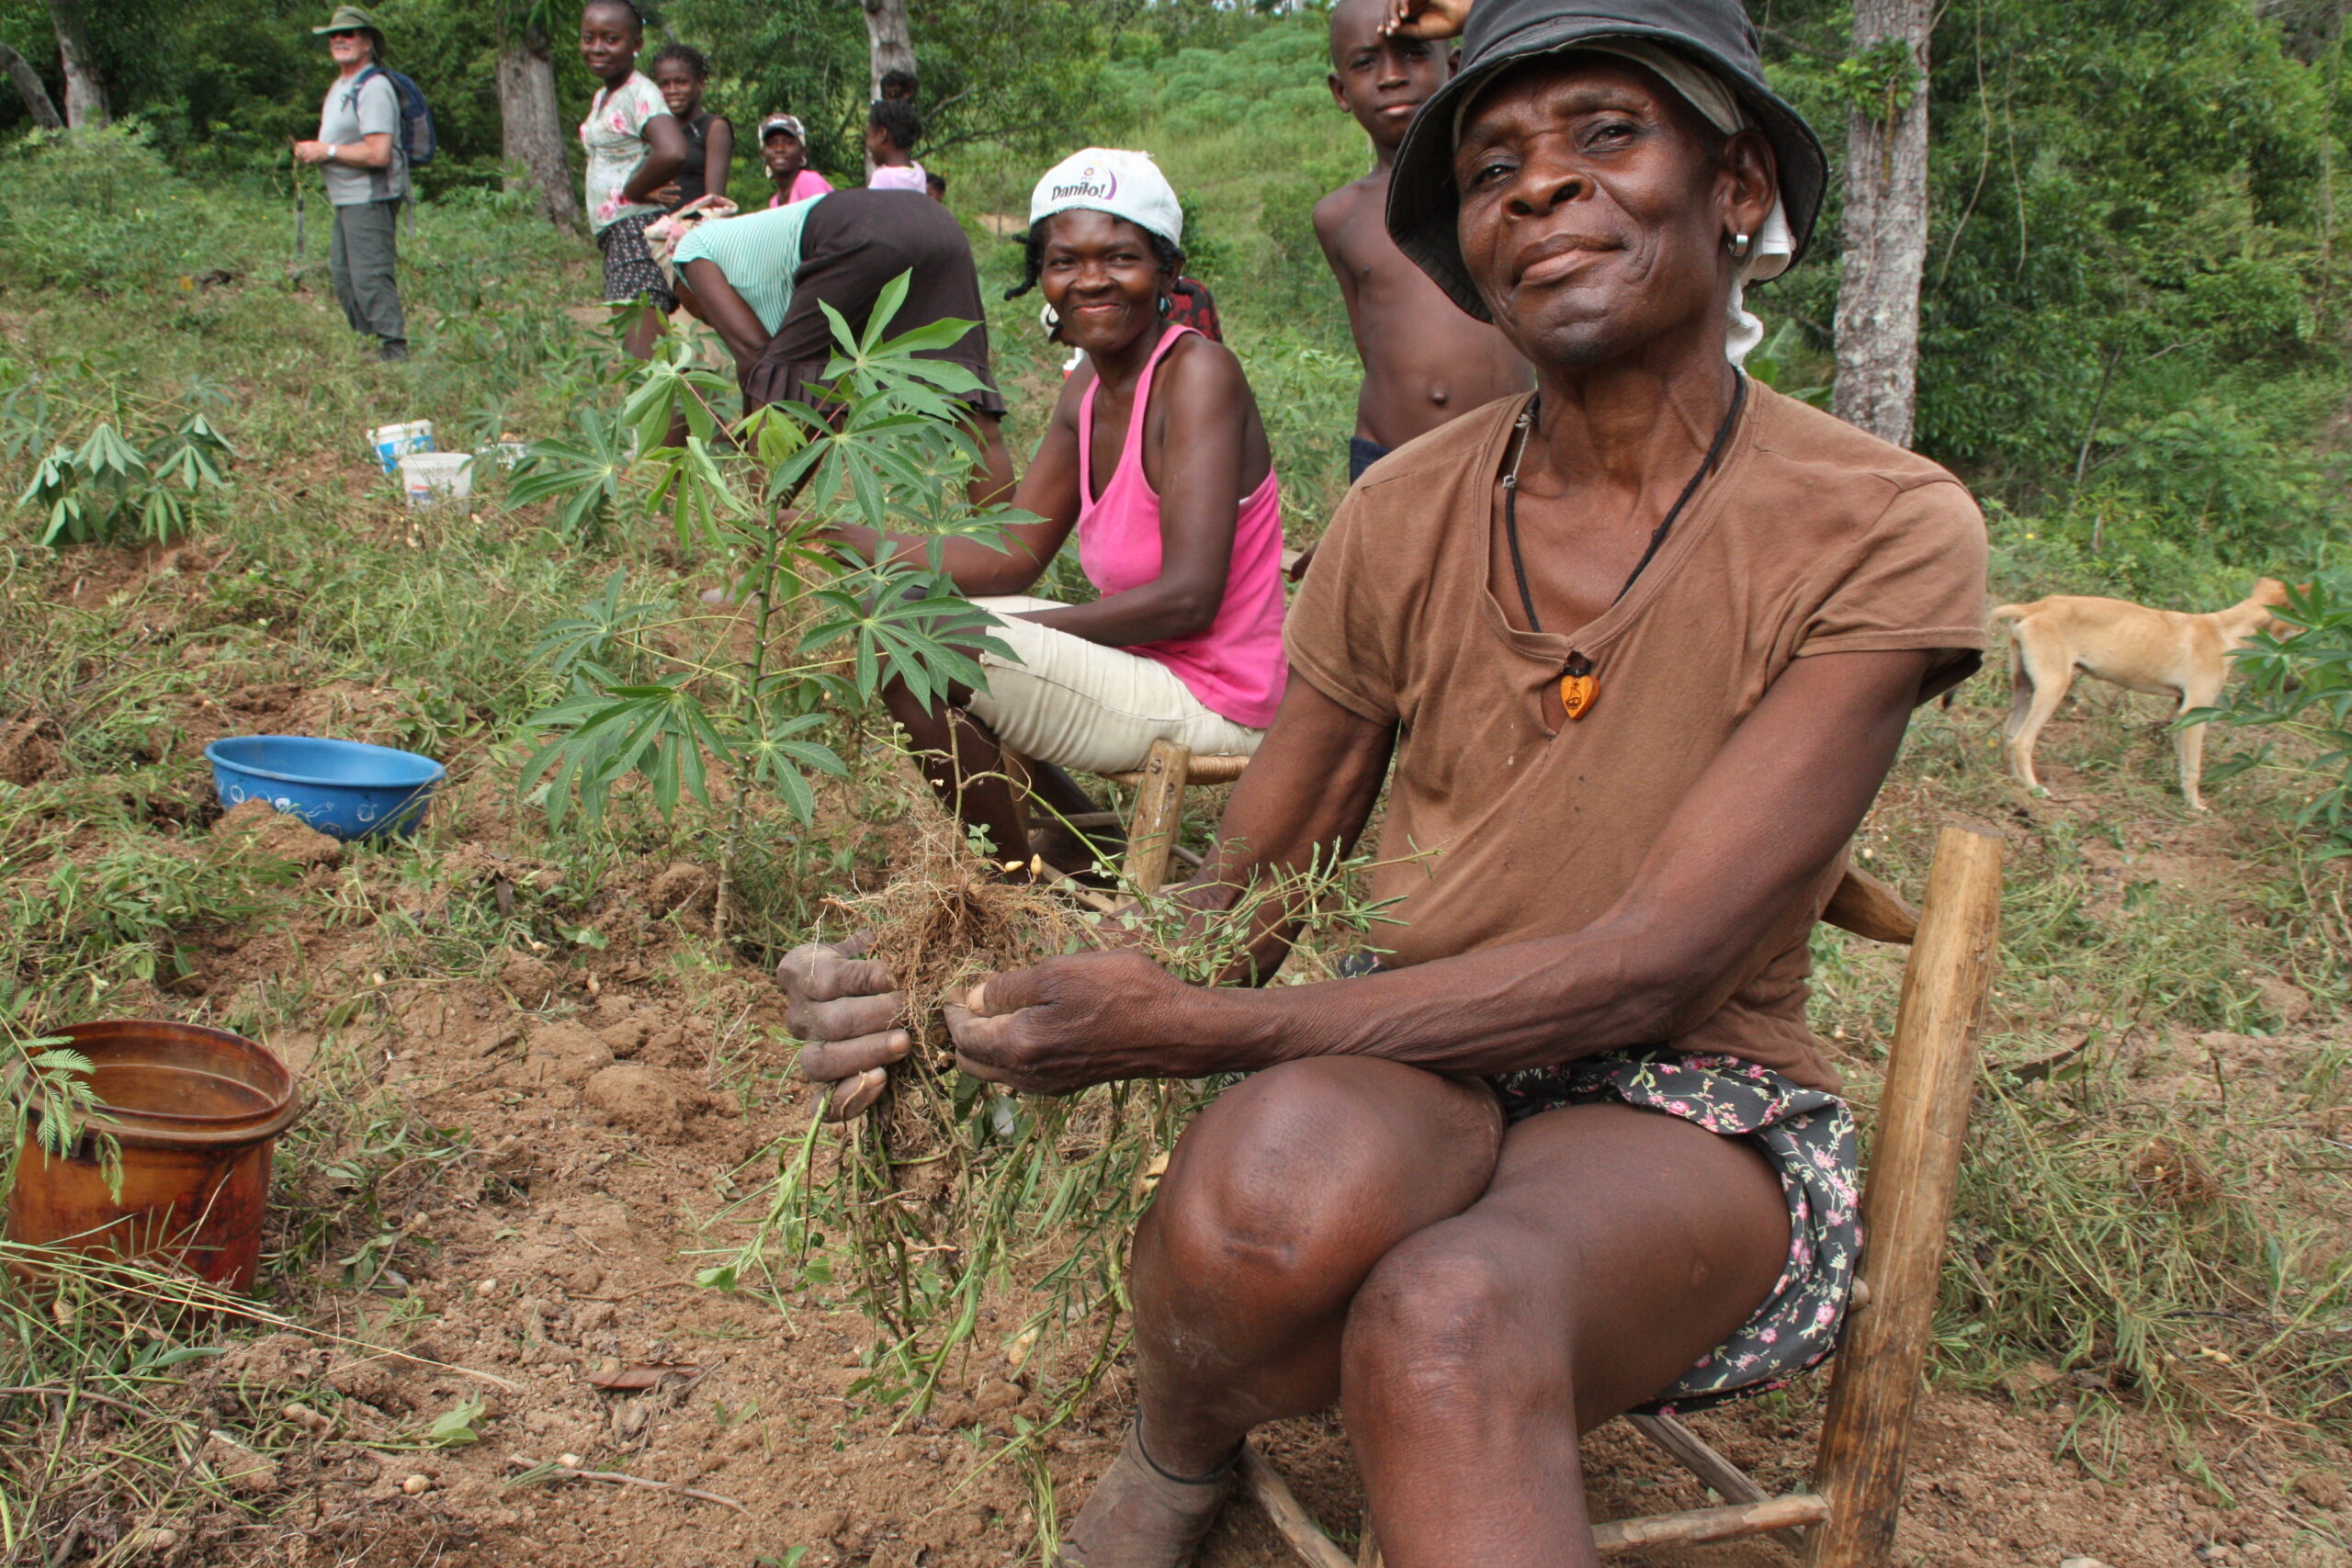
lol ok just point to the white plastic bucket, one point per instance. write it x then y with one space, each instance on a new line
431 478
393 442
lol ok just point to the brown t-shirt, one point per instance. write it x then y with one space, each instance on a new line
1810 538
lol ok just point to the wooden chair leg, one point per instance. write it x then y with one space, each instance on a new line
1290 1517
1915 1163
1015 768
1697 1456
1160 811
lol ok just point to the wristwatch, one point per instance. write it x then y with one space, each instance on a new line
332 148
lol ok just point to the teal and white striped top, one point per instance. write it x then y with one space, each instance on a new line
757 253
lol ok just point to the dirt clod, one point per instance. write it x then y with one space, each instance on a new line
257 828
532 981
681 887
998 1394
2291 1002
641 1099
237 1466
558 1053
370 1380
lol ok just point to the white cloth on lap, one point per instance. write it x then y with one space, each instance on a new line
1081 705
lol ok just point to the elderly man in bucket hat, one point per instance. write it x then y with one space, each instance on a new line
358 153
1641 648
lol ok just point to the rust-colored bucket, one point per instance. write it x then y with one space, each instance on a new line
195 1112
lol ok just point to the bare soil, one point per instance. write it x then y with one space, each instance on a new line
612 1101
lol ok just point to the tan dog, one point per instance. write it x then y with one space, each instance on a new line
2167 653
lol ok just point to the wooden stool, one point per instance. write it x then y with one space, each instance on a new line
1848 1519
1159 808
1159 814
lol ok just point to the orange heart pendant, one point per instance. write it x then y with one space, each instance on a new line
1577 693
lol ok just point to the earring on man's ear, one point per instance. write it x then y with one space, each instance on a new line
1738 248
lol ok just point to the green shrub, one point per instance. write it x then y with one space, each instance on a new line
101 209
2300 686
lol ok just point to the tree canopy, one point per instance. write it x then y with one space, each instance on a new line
2133 309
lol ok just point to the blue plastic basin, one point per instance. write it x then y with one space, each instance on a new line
346 789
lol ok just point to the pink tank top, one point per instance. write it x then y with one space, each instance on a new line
1237 667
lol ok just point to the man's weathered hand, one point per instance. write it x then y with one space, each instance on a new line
846 1007
1069 1023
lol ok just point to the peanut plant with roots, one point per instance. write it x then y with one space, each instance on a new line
952 1196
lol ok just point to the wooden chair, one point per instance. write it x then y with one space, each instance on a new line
1159 814
1846 1519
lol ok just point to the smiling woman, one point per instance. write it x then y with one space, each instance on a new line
1157 459
635 149
1641 648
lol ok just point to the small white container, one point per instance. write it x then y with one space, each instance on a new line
431 478
393 442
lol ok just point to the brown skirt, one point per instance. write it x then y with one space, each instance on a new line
854 244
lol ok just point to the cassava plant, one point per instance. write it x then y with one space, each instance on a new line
887 449
2298 685
128 468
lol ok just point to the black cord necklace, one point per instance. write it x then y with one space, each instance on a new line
1577 685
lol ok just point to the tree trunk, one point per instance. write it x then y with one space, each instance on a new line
85 95
887 37
1886 234
28 88
533 129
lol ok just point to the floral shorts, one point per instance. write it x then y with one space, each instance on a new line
1808 1137
630 271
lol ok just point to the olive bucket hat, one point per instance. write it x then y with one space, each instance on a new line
352 19
1715 34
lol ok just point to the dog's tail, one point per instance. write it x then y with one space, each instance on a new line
2005 613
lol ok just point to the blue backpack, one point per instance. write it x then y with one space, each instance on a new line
418 143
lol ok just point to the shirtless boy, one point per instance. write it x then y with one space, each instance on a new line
1425 361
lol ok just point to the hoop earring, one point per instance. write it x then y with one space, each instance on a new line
1739 246
1053 318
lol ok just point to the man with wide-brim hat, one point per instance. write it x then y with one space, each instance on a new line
1640 649
358 153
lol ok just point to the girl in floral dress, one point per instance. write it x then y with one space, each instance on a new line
635 147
